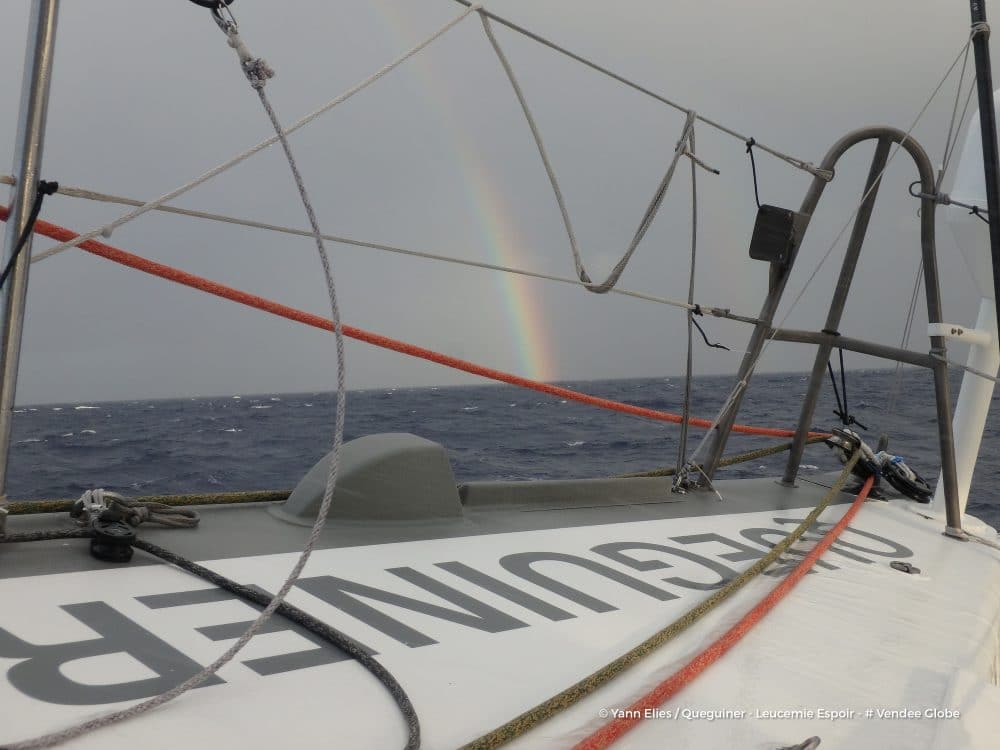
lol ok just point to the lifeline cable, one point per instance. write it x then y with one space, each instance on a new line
614 729
61 234
91 195
571 695
806 166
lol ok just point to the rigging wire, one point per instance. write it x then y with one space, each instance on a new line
950 144
274 308
743 384
654 205
75 192
107 229
793 161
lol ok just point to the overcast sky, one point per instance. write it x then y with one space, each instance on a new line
437 156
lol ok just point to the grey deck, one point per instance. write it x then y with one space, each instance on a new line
487 508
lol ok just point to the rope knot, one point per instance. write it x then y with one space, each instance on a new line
256 69
980 27
751 142
258 72
46 187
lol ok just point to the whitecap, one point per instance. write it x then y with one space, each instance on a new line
232 429
470 408
68 434
808 467
86 407
56 408
31 440
275 398
512 404
88 432
237 397
307 404
575 443
20 411
563 401
261 406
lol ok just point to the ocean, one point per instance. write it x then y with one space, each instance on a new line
269 441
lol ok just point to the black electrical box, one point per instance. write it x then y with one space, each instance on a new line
776 234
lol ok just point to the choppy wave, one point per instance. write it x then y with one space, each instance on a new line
204 444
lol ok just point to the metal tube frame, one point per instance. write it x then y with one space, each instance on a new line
27 163
829 339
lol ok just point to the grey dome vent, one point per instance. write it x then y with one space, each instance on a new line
388 477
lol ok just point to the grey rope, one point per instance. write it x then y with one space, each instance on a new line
257 74
824 174
966 368
75 192
950 142
94 503
689 371
651 210
897 382
107 229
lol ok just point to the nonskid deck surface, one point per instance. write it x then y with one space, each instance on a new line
482 617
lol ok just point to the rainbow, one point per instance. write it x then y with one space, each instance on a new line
524 311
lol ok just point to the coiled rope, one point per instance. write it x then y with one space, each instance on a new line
61 234
571 695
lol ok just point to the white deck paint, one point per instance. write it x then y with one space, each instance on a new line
862 636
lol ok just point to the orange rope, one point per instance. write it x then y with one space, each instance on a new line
61 234
614 729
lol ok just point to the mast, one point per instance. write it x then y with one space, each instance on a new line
988 128
27 164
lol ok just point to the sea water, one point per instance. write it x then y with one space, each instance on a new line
269 441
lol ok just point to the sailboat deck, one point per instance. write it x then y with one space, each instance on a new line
484 616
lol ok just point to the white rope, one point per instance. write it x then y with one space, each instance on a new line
681 149
256 71
793 161
75 192
215 171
